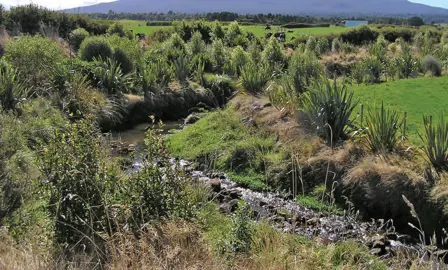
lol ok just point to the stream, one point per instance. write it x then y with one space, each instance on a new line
285 214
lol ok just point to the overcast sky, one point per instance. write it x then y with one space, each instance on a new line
58 4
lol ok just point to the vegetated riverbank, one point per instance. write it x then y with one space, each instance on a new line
263 148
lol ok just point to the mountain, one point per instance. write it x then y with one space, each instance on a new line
312 7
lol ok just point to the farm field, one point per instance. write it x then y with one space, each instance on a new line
258 30
417 97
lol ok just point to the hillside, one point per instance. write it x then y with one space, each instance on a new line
266 6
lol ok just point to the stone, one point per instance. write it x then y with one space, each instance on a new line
191 119
215 184
235 194
229 207
376 252
233 205
262 203
313 221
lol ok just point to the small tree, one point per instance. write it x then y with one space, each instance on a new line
416 21
77 36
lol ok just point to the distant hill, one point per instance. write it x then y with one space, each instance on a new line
312 7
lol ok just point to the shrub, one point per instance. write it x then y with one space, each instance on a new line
444 38
181 69
322 46
161 35
95 47
435 142
159 190
416 21
77 36
254 78
433 65
254 51
336 45
124 60
407 66
12 90
117 29
131 47
77 179
358 72
382 130
329 107
373 69
235 36
196 44
311 43
218 31
110 77
205 60
360 35
303 68
222 87
161 71
33 57
239 59
219 55
273 53
240 237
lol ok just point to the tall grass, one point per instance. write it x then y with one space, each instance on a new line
435 141
382 130
329 106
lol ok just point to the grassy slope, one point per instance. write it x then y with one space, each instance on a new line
223 141
415 96
258 30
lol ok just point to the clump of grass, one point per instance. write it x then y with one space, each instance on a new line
181 69
329 107
254 78
382 130
11 88
435 142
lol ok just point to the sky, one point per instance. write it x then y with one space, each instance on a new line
54 4
58 4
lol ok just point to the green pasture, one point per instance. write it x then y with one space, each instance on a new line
258 30
417 97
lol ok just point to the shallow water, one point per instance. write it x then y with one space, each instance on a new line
136 135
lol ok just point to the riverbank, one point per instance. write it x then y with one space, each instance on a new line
263 148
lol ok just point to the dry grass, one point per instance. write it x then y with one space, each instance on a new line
4 39
440 191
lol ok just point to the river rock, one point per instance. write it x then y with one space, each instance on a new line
215 184
235 194
191 119
229 207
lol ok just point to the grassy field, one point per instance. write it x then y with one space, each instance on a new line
258 30
417 97
140 27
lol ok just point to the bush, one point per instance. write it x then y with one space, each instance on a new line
382 130
406 65
205 60
181 69
117 29
430 64
218 31
435 142
161 71
322 46
444 38
360 35
161 35
303 68
110 77
196 44
254 78
373 69
329 107
336 45
73 163
239 59
235 36
159 190
95 47
220 55
240 237
124 60
273 53
12 90
77 36
33 57
221 86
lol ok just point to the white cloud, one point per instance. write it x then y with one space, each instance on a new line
54 4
